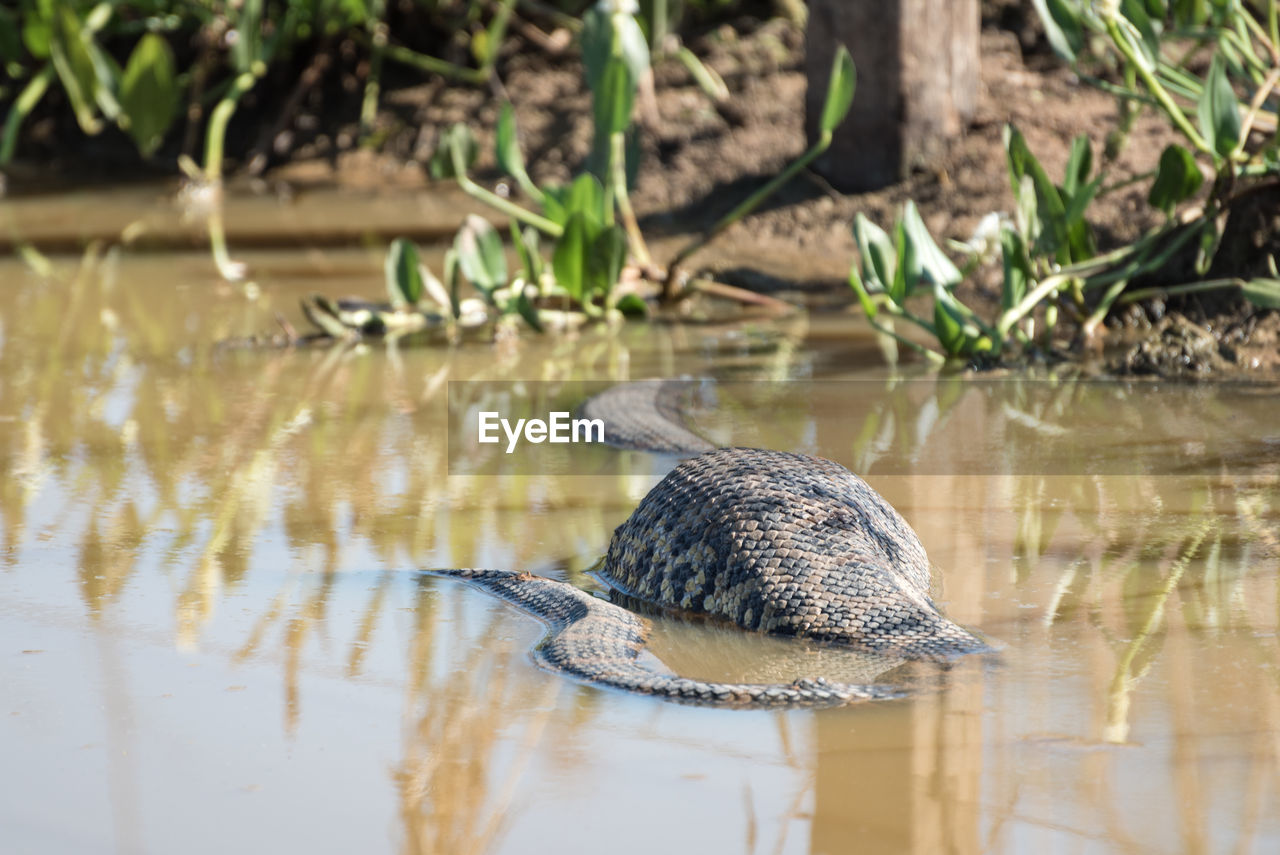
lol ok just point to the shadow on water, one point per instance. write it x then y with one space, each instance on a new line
257 510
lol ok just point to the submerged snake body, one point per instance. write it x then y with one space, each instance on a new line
593 640
785 543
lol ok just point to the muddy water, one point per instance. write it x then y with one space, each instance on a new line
213 637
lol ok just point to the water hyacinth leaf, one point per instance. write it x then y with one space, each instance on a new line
632 306
1079 165
457 147
75 69
877 253
948 325
149 92
1217 110
1263 292
480 255
37 33
869 307
632 45
1062 27
402 274
435 291
597 44
324 316
614 97
1017 268
555 203
1177 179
840 89
929 261
451 281
906 272
569 259
526 245
604 262
1135 13
1050 209
586 197
1207 247
524 306
506 144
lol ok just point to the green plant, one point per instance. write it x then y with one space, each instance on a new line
1187 60
589 223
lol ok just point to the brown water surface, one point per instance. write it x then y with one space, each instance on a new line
213 637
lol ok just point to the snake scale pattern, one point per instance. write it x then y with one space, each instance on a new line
773 541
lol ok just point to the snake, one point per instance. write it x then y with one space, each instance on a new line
771 541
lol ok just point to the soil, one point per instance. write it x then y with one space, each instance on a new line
698 161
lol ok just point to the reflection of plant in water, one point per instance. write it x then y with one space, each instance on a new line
1127 540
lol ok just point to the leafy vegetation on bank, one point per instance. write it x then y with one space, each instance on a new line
1211 70
600 267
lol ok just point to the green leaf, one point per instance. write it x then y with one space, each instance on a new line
555 203
506 144
480 255
633 47
597 44
1017 268
1217 111
930 261
403 274
71 59
460 138
1079 165
840 88
1053 239
604 263
1264 292
877 253
451 280
614 97
869 307
1062 27
633 306
526 244
37 31
905 272
527 311
948 324
569 259
149 92
586 197
1135 12
1177 179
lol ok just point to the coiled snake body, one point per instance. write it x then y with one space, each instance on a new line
774 541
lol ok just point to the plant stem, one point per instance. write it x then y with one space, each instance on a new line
1173 290
1259 98
751 202
638 247
431 64
22 107
932 355
1156 88
506 206
373 84
215 136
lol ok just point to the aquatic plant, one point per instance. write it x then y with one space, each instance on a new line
599 262
1188 62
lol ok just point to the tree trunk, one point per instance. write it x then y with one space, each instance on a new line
918 76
